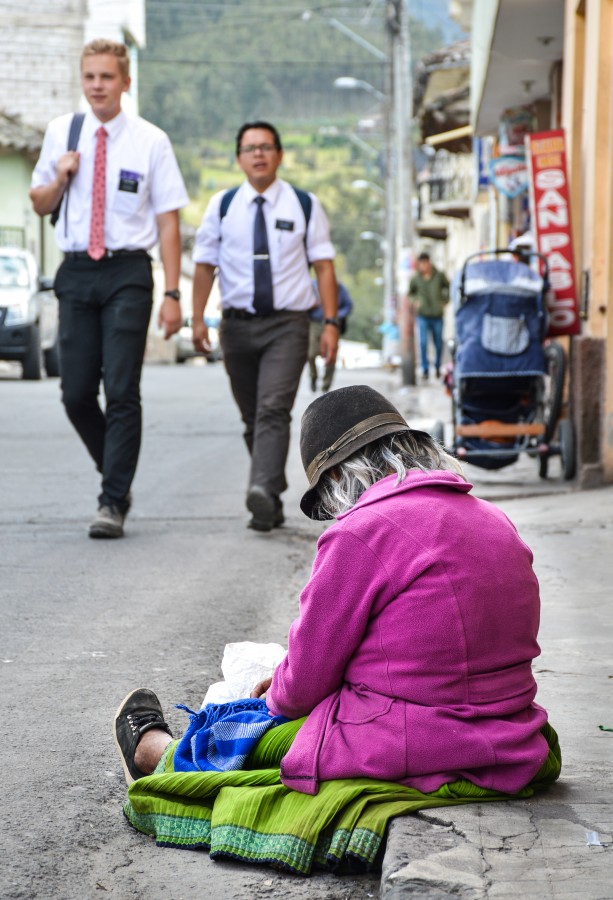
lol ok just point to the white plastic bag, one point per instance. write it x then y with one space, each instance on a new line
243 665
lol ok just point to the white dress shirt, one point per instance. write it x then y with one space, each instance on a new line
228 244
142 181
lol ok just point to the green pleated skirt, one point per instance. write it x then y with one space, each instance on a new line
249 815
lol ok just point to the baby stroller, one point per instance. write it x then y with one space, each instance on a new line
506 381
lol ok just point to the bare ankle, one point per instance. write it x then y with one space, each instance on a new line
150 749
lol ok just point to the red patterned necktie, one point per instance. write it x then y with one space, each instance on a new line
95 247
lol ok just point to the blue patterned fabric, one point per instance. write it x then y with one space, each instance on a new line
222 735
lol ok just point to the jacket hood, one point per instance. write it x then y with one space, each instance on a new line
414 480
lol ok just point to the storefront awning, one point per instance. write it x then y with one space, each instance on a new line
515 44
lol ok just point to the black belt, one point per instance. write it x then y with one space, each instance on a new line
108 254
231 312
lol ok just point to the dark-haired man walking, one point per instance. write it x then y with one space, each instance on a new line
429 290
262 238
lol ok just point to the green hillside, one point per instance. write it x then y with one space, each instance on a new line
208 67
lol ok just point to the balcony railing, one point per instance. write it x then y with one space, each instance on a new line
445 185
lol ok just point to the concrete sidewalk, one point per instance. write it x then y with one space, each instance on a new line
560 843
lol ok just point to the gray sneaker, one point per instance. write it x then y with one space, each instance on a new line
108 523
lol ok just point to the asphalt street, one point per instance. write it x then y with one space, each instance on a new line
85 621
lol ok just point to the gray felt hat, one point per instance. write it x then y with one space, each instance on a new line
336 425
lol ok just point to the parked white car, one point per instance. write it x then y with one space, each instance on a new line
29 315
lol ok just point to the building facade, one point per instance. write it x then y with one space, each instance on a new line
40 48
554 58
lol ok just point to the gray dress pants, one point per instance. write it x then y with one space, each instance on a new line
264 358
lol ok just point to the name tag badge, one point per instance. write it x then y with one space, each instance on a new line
129 181
284 225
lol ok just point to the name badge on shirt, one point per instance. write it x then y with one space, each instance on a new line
284 225
128 181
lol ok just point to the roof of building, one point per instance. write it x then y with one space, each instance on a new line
441 93
16 135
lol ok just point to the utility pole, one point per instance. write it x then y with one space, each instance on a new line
400 102
390 307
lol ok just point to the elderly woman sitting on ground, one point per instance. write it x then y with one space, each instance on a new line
407 681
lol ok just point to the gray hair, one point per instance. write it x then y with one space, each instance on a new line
340 488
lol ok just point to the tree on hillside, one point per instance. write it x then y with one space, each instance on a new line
208 66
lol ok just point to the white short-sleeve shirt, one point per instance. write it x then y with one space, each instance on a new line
142 181
228 244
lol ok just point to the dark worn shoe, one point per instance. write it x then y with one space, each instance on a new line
138 712
108 522
277 521
279 518
262 506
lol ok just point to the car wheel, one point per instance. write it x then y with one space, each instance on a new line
52 360
32 361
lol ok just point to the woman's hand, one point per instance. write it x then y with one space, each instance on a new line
261 688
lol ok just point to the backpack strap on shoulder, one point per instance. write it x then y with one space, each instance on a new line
304 198
75 130
226 200
76 123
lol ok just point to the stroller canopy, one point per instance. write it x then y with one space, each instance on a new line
500 320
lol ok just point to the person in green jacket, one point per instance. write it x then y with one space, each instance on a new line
429 290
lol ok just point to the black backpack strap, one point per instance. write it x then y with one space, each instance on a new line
306 203
226 200
76 124
304 198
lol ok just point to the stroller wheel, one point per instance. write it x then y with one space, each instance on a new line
567 449
556 369
543 464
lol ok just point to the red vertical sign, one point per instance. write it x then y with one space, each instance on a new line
550 207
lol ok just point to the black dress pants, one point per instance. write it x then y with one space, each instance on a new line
105 308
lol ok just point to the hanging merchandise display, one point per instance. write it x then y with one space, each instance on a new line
515 124
509 175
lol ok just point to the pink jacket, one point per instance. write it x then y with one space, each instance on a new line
412 651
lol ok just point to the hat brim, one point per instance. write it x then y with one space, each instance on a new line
354 439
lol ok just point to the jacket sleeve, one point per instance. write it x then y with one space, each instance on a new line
347 582
444 288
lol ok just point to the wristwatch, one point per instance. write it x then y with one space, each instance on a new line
333 321
176 294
